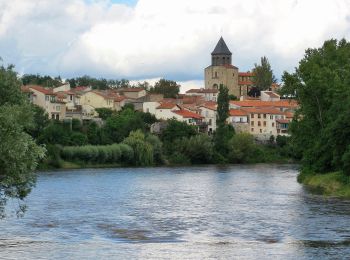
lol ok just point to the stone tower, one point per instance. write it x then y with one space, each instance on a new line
221 70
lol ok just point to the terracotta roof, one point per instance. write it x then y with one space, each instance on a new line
238 112
166 105
25 89
259 103
246 74
210 105
263 110
202 90
289 114
46 91
119 98
187 114
245 82
282 121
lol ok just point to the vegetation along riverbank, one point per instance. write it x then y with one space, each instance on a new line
320 131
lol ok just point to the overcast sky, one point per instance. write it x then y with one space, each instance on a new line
149 39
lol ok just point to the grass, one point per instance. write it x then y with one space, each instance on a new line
335 184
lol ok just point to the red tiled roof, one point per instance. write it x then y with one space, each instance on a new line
210 105
237 112
46 91
289 114
187 114
282 121
119 98
245 74
80 88
259 103
263 110
166 105
25 89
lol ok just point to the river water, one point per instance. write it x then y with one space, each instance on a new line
236 212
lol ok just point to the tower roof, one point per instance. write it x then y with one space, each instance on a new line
221 48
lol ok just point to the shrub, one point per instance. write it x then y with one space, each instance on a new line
143 151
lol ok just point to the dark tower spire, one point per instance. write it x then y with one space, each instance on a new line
221 55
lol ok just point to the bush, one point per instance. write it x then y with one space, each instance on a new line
77 139
143 151
346 161
242 148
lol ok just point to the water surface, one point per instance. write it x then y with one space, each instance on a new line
236 212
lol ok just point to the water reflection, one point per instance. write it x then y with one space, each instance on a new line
256 211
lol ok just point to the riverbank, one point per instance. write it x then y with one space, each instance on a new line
335 184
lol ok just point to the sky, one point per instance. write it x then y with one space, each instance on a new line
151 39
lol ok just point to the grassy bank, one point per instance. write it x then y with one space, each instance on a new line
335 184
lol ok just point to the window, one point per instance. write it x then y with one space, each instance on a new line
264 123
252 123
252 129
210 121
271 116
259 124
47 98
260 130
273 124
252 116
264 115
58 108
71 97
259 115
215 74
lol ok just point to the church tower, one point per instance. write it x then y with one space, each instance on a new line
221 70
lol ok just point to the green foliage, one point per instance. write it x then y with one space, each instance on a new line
143 151
222 135
242 148
157 146
232 97
320 133
115 153
198 149
223 106
77 138
169 88
175 130
263 75
104 113
119 126
346 161
10 87
45 81
41 120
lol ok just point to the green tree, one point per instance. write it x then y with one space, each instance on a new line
321 129
104 113
263 77
19 154
169 88
223 132
143 151
176 129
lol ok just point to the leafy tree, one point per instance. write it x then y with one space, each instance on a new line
104 113
198 149
19 154
46 81
242 148
320 133
41 120
223 132
169 88
118 126
176 129
143 151
263 77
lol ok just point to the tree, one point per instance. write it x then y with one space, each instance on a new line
223 132
104 113
143 151
321 129
19 154
263 77
176 129
169 88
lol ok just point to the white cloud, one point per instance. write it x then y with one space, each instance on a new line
156 38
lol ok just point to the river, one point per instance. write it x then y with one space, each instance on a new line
235 212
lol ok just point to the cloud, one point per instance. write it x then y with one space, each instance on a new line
157 38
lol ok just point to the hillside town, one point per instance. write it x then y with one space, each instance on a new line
264 116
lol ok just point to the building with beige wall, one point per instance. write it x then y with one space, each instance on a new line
48 100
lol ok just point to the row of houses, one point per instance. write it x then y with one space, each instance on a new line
263 117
